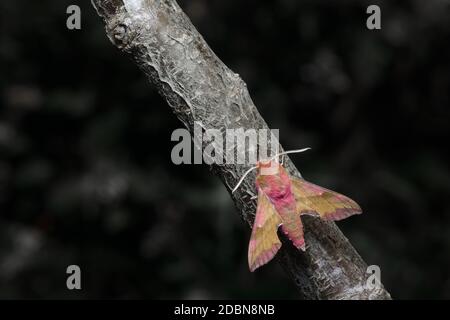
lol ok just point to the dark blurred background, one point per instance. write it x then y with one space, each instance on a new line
86 176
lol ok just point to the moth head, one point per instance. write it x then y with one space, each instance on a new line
267 167
270 166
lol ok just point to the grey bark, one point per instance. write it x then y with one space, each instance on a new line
198 86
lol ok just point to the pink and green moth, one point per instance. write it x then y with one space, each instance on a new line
282 199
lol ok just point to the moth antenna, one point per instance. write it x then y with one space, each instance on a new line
290 151
255 167
243 177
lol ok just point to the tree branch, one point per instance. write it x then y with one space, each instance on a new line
200 88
